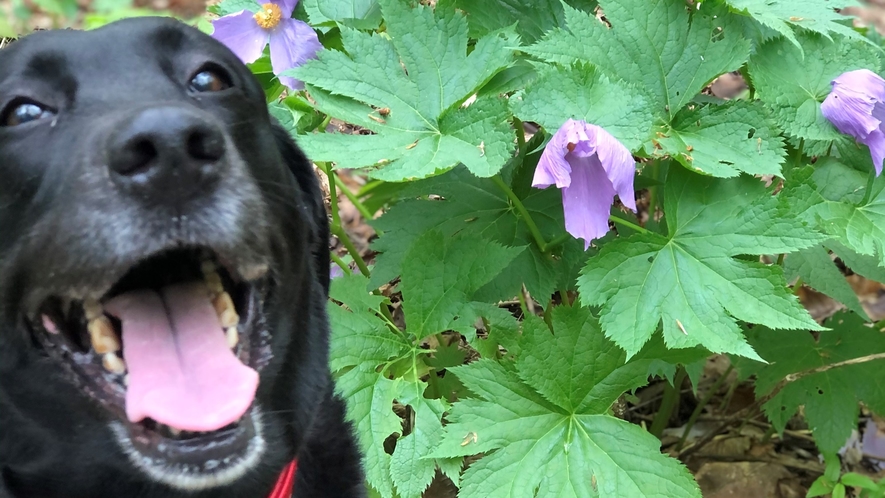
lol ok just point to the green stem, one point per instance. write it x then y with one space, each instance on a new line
353 198
698 409
520 135
797 286
333 193
526 217
632 226
558 241
348 244
780 259
522 304
324 124
668 403
340 262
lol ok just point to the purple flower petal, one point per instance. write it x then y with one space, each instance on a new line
335 271
287 6
587 201
241 34
856 106
552 167
590 166
618 163
292 43
873 442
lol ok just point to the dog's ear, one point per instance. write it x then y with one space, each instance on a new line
304 174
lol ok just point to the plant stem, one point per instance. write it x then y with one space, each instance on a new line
340 262
668 403
698 409
353 198
526 217
333 193
797 286
520 135
558 241
324 124
348 244
632 226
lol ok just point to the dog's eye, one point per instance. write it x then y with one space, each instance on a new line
209 80
23 112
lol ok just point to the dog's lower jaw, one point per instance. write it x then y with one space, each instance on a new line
188 480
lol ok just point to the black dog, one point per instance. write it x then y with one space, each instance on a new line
163 277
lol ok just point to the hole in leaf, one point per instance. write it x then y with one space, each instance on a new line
751 133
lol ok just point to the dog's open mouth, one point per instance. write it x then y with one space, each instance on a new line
172 350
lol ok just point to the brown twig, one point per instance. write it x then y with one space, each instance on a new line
793 377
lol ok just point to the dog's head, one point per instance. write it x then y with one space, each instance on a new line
163 269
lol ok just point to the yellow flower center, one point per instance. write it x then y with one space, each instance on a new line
269 16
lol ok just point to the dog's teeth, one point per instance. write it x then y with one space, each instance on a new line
254 272
113 363
126 380
104 338
213 281
227 314
233 336
175 432
92 309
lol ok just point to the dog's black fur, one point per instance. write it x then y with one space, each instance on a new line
69 223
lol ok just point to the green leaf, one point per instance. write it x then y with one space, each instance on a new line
653 44
227 7
793 85
725 140
546 449
690 279
839 209
360 343
866 266
370 408
6 29
856 480
515 77
532 18
467 205
818 271
582 92
360 14
360 336
830 397
821 16
420 72
440 276
412 472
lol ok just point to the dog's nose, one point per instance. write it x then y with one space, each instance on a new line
167 154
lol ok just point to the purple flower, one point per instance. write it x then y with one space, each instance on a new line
335 271
856 106
292 42
590 166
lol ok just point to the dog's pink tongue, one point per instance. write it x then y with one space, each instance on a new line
182 372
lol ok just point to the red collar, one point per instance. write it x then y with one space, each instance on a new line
286 482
